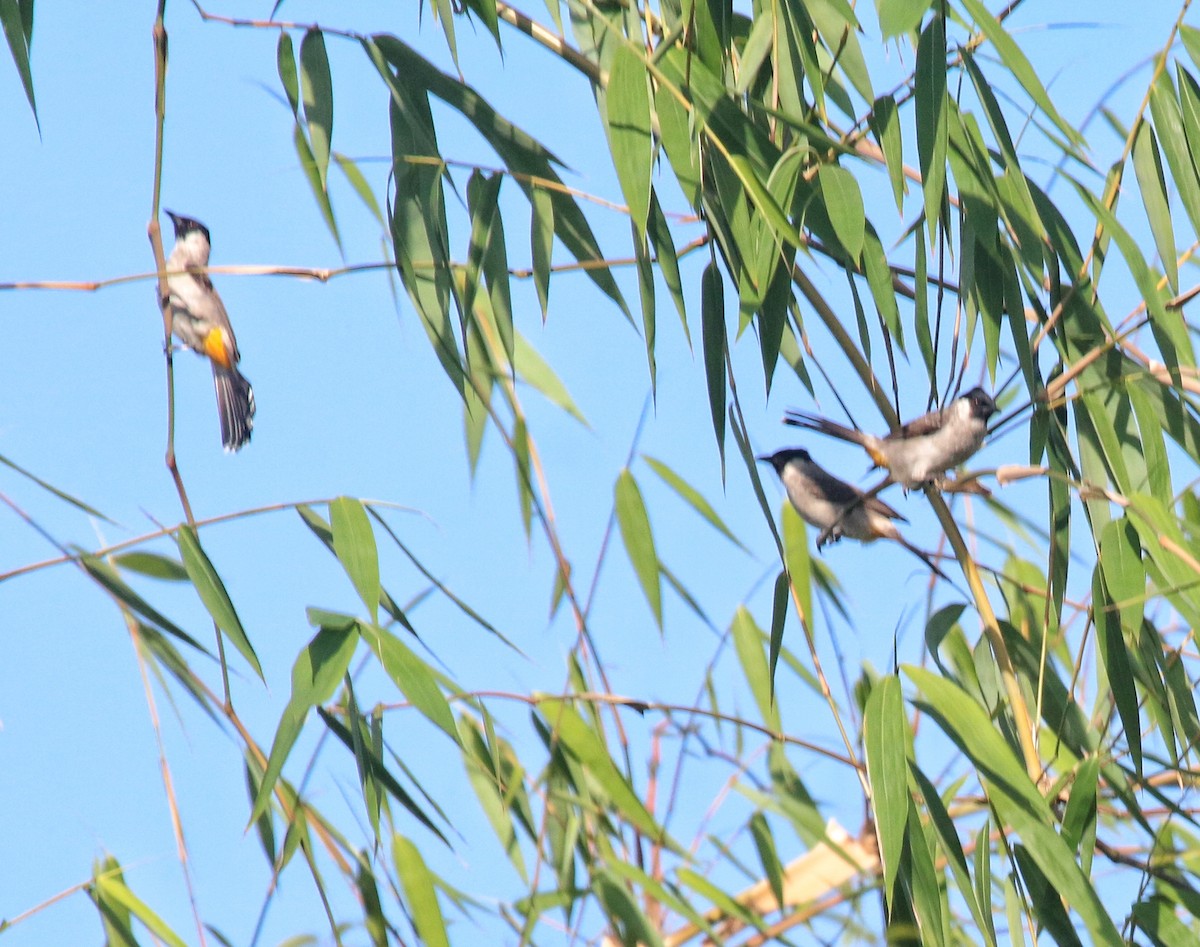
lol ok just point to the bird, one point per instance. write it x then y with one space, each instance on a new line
836 507
922 450
201 323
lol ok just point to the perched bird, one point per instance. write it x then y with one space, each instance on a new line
202 325
923 449
836 507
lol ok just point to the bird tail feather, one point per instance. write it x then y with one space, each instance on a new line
235 405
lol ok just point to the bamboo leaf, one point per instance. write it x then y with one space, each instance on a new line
354 545
1016 799
639 541
1147 165
413 676
712 310
932 122
627 102
885 125
419 892
693 498
887 767
316 90
16 18
211 590
899 17
542 240
748 638
844 204
318 670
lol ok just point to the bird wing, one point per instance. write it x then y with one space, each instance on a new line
926 424
836 491
883 509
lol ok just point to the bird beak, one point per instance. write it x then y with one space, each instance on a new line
763 458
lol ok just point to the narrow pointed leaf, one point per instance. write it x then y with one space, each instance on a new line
354 545
212 593
693 498
1147 165
639 541
413 676
627 101
318 670
419 892
316 90
844 204
12 19
541 238
712 309
886 743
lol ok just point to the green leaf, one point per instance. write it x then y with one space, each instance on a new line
541 238
212 593
768 855
482 194
886 740
360 185
413 676
645 275
627 103
625 917
885 125
748 639
947 837
879 279
844 204
932 119
1166 107
899 17
285 63
521 153
374 771
639 541
419 892
308 165
368 895
51 489
537 373
110 579
152 564
1017 802
712 310
799 563
693 498
316 90
1147 165
111 887
591 751
318 670
354 545
1018 65
18 30
668 262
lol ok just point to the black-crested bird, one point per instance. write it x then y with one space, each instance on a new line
201 323
922 450
835 507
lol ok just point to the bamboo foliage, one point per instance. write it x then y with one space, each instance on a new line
763 140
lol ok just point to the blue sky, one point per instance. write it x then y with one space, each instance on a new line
352 401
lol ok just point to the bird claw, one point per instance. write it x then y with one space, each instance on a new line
828 535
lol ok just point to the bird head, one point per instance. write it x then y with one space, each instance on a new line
781 458
184 226
980 404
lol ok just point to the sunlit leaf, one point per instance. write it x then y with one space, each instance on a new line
354 545
639 541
